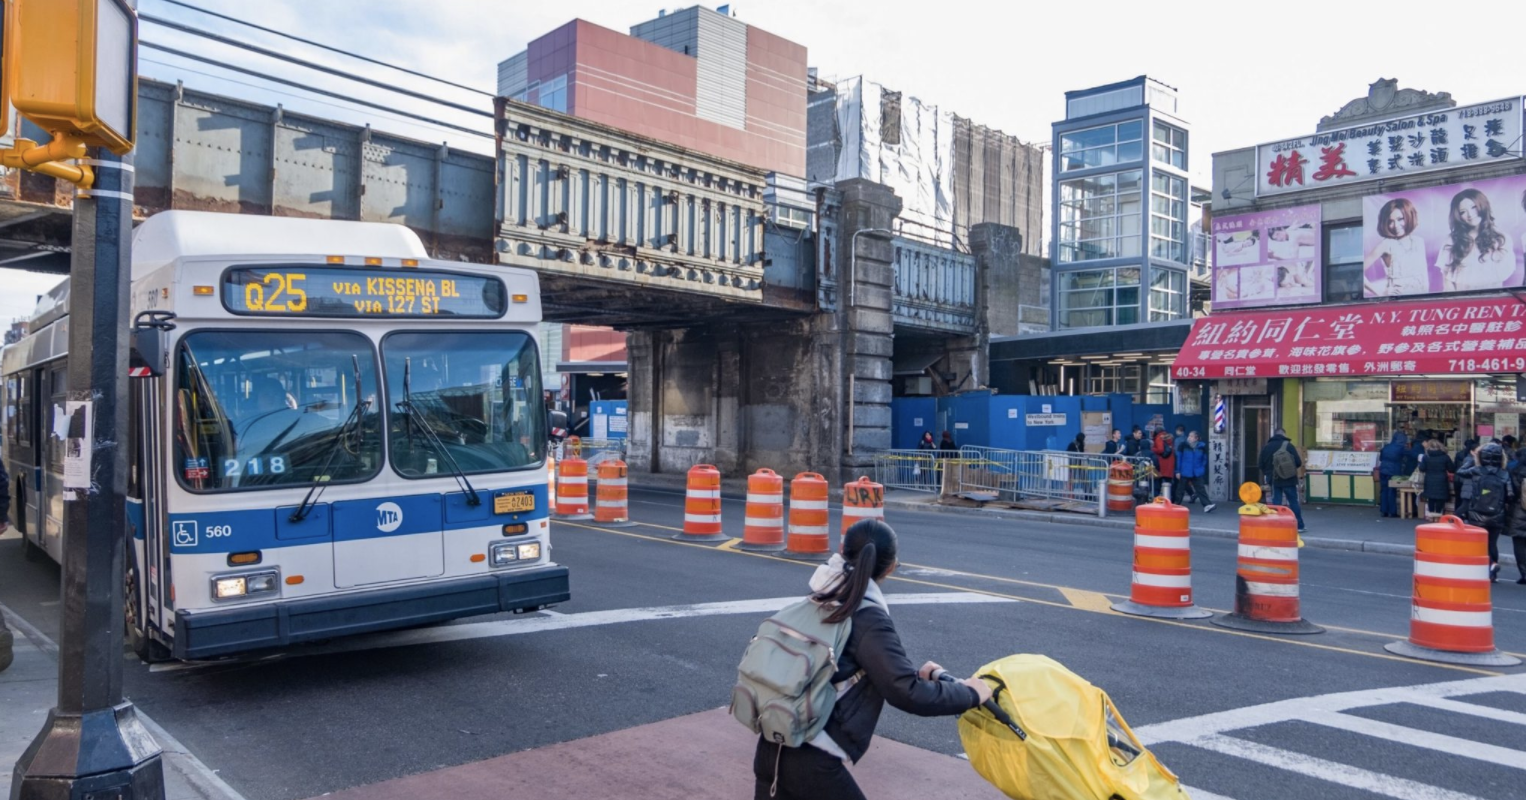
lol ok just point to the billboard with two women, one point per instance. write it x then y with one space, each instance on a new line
1459 238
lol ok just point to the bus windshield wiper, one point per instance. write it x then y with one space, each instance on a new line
416 417
320 480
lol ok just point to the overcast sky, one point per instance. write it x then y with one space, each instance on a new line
1247 73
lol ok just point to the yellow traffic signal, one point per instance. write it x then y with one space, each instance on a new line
73 69
6 49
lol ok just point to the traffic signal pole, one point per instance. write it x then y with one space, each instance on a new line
93 745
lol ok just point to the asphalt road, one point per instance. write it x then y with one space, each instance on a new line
655 628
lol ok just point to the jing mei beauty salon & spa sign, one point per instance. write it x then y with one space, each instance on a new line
1425 142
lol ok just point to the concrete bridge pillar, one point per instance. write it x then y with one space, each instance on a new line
864 321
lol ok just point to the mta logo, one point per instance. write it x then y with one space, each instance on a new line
389 517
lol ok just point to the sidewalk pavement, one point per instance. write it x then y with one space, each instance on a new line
29 689
705 755
1330 527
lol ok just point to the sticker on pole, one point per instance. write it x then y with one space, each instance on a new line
77 441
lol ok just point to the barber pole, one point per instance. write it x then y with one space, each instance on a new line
1218 413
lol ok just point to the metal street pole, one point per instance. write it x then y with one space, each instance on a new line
93 745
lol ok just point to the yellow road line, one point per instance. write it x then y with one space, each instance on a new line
1089 601
730 545
1187 625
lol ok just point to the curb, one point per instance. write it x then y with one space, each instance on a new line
676 484
1316 542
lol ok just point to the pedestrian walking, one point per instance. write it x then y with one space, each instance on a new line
1280 463
1077 446
1435 467
5 498
1135 444
1192 472
1462 493
874 669
1391 461
1490 493
1164 454
1515 519
946 445
927 441
1114 445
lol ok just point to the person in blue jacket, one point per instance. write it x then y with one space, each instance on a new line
1391 462
1192 471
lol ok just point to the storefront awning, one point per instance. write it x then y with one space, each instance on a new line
1473 336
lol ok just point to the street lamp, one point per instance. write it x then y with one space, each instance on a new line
853 258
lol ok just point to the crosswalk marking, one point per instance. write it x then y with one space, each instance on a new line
1474 709
1467 748
1332 771
1213 732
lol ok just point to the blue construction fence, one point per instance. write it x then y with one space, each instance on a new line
1023 422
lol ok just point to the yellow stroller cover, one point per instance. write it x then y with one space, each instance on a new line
1077 748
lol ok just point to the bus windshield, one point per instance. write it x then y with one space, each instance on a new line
478 393
265 409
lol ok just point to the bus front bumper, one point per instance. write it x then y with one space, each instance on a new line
205 634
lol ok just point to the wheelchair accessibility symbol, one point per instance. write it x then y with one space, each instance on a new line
184 533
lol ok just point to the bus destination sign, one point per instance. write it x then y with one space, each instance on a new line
302 290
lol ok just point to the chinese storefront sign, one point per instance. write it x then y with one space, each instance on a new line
1458 238
1484 335
1432 391
1267 259
1392 148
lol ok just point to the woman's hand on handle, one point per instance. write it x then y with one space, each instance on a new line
980 687
929 671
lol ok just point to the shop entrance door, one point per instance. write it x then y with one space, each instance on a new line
1253 427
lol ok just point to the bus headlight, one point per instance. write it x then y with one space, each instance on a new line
231 587
529 552
502 554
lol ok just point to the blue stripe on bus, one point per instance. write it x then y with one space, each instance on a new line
135 518
345 520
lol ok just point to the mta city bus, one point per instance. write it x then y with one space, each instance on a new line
329 433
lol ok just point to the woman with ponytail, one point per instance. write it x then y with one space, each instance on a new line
876 667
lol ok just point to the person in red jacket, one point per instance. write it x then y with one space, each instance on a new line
1164 451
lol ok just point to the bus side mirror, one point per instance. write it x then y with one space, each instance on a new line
145 357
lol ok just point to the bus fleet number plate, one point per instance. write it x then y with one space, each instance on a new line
512 503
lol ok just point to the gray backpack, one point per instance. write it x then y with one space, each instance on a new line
784 688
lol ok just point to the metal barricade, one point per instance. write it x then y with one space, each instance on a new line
914 470
594 451
1015 476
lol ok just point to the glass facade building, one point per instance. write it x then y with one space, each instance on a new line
1122 248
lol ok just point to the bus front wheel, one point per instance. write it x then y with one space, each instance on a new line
146 648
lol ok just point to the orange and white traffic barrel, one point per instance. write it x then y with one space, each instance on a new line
763 530
611 501
1266 572
862 499
1162 582
1452 613
1120 487
572 489
702 505
808 526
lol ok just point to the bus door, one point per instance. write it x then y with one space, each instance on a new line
146 500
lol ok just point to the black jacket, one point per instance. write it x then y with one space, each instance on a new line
1267 472
889 676
1515 516
1435 465
1110 448
1133 447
